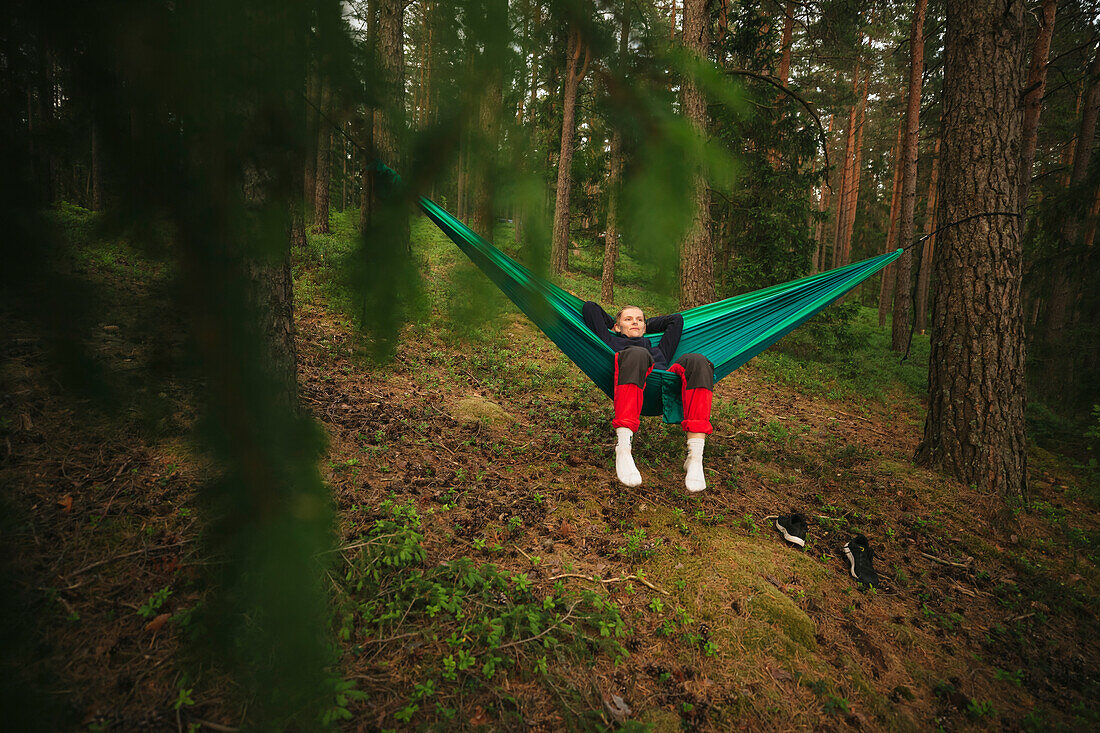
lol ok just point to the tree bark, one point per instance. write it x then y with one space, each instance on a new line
389 123
822 208
324 163
852 199
886 284
902 286
614 179
842 194
920 306
1033 98
97 171
559 247
1064 281
975 423
696 252
309 174
483 216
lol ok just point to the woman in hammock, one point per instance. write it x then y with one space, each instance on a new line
634 360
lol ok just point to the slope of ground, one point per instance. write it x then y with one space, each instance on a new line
491 572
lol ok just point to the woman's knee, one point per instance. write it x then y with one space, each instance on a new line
633 365
698 371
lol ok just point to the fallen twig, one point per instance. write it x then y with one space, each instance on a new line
592 579
125 555
964 566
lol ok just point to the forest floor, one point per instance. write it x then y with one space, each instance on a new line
493 575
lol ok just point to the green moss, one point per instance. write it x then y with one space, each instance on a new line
724 582
479 409
772 606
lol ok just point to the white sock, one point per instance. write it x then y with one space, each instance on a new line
624 462
695 480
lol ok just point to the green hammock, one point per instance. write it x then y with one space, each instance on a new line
729 332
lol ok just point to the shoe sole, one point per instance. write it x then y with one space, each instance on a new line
851 562
789 537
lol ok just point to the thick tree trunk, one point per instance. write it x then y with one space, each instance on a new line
902 286
920 305
389 123
559 247
324 163
482 184
1033 98
697 252
975 424
272 294
614 179
886 284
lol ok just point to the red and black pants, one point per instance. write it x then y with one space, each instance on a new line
633 364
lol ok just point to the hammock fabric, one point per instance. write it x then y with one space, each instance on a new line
729 332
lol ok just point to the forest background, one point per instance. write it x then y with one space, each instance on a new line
687 152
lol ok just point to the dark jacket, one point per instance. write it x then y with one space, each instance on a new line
672 326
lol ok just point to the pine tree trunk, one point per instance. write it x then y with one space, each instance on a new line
559 247
902 286
845 177
1033 99
482 178
920 306
975 424
822 207
389 123
366 182
614 179
309 174
886 284
97 171
324 163
785 52
697 252
852 199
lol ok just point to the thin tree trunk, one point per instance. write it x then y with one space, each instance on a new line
97 171
313 95
822 208
1033 99
1094 211
886 284
559 247
697 252
852 198
902 286
324 163
846 173
614 180
1063 291
785 53
920 306
366 183
975 424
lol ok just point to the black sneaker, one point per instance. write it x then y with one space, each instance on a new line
793 529
860 555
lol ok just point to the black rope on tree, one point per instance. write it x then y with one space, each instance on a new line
915 280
